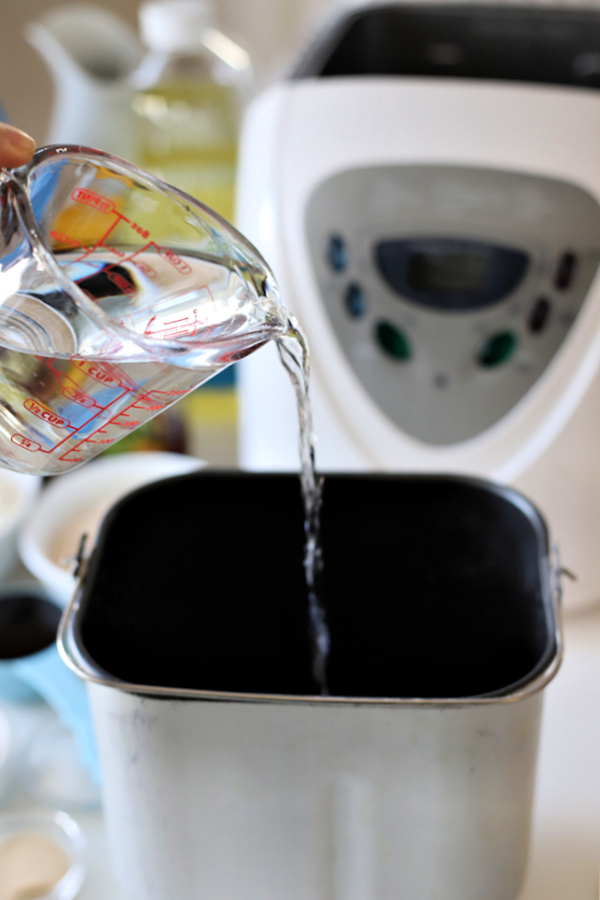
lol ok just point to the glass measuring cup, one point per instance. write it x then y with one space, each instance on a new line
118 295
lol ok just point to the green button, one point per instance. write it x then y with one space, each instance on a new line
393 341
497 349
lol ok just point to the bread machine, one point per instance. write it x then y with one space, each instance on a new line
426 187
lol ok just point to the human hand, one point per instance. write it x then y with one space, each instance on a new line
16 147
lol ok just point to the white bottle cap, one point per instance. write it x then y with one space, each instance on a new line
174 25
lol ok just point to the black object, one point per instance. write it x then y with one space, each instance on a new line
537 45
434 586
28 624
450 274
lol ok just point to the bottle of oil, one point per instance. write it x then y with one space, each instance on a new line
189 95
190 91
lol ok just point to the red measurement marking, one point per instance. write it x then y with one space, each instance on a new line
63 238
153 400
110 375
72 392
184 326
100 242
143 232
96 201
156 399
25 443
45 413
79 397
98 372
95 439
71 455
181 265
103 374
122 420
126 287
144 268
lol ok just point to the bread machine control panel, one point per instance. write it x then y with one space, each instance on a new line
449 289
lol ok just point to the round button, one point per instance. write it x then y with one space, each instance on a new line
497 349
337 253
355 300
393 341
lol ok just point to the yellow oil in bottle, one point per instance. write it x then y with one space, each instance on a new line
187 134
189 93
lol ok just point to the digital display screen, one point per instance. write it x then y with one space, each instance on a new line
450 273
464 273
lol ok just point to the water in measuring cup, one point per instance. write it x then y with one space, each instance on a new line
68 389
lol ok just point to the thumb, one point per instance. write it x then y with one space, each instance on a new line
16 147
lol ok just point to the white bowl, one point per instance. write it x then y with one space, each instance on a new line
34 845
18 493
75 503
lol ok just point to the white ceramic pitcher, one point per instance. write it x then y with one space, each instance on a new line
91 54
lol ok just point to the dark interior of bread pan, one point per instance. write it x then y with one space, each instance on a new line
433 587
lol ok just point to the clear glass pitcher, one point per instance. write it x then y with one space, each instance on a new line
118 295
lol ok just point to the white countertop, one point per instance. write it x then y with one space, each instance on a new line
565 849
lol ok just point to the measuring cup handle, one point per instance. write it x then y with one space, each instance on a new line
67 695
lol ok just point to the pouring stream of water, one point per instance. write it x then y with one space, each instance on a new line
293 351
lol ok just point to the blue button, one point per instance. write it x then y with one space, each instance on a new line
337 253
355 300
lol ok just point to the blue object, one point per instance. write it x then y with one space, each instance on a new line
337 253
225 379
43 673
355 300
47 674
